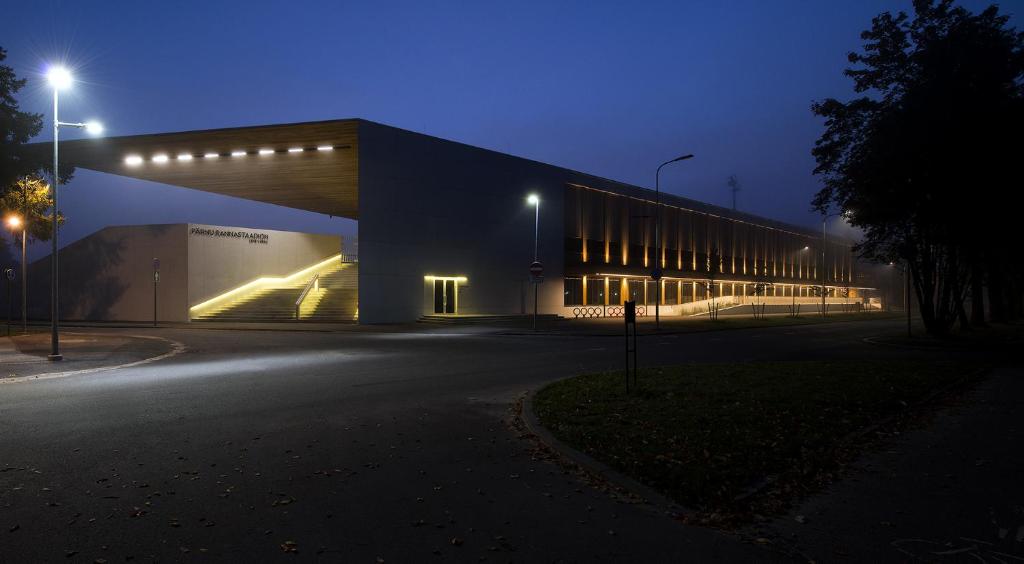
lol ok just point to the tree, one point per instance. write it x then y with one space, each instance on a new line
29 197
714 267
16 128
924 158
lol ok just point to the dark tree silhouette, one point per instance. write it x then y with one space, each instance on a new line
16 128
926 157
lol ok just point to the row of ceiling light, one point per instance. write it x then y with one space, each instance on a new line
160 158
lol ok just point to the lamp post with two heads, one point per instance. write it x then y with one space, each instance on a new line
60 79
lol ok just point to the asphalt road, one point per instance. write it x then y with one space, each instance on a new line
355 447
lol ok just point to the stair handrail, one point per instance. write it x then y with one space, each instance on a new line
314 282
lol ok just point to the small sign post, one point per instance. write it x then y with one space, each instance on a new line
9 275
156 280
629 313
536 276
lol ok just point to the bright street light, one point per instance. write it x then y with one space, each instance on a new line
13 222
59 78
532 199
93 127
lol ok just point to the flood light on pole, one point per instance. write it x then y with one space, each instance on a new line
59 77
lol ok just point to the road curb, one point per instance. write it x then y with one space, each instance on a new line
176 349
588 464
671 332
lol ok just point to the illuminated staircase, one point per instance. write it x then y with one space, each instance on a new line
334 297
338 297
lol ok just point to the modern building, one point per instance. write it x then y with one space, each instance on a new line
445 228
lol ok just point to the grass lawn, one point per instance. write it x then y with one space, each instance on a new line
706 434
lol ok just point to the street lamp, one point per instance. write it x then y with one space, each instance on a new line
793 291
534 200
59 79
905 270
656 273
13 223
824 218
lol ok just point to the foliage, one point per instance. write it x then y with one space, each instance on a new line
923 155
29 198
16 128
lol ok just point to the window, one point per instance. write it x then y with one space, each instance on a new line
671 292
636 291
687 295
652 292
614 291
595 291
573 292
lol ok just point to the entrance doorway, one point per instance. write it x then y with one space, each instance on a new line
445 300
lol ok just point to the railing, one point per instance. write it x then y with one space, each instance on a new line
313 284
605 311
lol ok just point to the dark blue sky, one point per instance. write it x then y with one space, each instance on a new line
609 88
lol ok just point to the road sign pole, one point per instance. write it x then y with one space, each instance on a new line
535 294
156 279
537 276
10 276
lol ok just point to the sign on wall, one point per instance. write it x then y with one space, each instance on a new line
253 237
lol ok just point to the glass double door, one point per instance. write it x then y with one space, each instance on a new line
444 296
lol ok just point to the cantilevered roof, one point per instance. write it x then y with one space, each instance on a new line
309 166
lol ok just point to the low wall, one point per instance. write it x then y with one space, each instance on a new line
698 307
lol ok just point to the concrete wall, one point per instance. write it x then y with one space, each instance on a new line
434 207
108 275
222 258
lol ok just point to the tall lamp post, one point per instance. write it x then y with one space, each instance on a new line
905 271
824 220
534 200
59 79
793 292
656 273
14 222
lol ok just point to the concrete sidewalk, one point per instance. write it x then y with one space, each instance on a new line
25 356
949 489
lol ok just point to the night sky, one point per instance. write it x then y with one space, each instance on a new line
608 88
